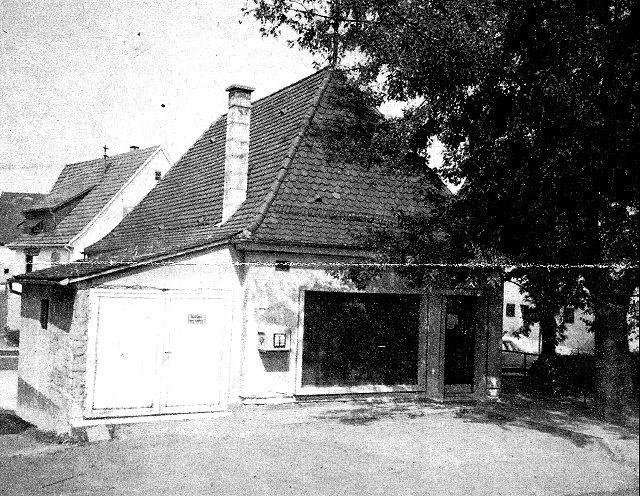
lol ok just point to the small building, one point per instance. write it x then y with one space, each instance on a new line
223 287
86 202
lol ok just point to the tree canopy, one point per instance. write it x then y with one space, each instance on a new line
536 103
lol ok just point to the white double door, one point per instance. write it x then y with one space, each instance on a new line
158 353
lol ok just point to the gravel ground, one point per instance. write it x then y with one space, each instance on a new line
515 447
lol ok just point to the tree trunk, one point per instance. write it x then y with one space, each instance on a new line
547 331
613 377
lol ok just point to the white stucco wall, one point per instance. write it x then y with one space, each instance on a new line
273 298
51 367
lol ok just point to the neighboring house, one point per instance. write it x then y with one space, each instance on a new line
217 289
11 216
578 337
86 202
12 206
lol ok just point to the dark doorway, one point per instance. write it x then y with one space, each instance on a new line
460 337
357 339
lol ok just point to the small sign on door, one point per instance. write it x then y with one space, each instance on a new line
197 318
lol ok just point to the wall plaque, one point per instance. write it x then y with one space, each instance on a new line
197 318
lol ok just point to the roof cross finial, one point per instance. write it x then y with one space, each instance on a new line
105 151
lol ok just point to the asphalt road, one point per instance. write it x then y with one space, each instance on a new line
341 448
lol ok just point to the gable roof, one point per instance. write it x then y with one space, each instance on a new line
11 208
298 193
88 181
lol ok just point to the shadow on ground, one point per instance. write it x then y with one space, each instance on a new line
569 419
564 418
10 423
372 411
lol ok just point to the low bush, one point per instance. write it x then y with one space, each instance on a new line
573 375
563 375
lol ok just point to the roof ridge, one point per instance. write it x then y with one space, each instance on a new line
255 223
260 100
289 86
139 150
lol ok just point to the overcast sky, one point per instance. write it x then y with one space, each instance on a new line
76 75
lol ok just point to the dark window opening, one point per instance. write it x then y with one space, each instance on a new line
28 263
44 313
283 265
6 271
511 310
525 311
37 228
357 339
158 175
568 315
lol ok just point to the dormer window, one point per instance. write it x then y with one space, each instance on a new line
37 228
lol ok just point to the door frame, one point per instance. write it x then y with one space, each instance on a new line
436 336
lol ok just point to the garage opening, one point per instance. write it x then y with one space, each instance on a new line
353 339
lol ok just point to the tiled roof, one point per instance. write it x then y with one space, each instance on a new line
324 200
11 207
85 178
66 271
297 192
186 206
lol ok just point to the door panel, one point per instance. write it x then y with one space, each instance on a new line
126 353
193 352
460 336
158 353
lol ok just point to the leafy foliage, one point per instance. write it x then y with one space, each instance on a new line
536 103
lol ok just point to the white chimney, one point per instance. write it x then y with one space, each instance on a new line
236 162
